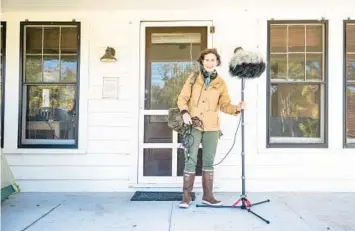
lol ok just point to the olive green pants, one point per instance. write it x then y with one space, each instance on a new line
209 140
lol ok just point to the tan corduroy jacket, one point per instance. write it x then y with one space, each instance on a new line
205 102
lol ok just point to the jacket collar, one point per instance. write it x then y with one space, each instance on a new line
215 83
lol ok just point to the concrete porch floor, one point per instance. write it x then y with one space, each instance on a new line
115 211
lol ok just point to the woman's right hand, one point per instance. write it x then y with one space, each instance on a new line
187 118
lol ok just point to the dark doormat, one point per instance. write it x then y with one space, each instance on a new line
159 196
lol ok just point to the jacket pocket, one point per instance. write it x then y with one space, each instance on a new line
212 119
194 111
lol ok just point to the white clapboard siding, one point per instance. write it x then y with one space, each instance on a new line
110 133
284 185
287 172
124 92
234 158
312 160
110 119
108 105
92 160
72 172
109 146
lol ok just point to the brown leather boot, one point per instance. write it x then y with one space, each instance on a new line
207 184
189 179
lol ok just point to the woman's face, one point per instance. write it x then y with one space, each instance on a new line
210 62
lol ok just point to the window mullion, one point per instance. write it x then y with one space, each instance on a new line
42 51
24 54
323 52
2 80
60 52
305 53
49 84
287 51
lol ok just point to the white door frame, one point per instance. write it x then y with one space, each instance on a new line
174 179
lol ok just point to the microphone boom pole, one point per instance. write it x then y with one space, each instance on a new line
244 65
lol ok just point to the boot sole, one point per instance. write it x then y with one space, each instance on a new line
210 204
185 205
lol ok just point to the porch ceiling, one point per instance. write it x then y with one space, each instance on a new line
44 5
79 5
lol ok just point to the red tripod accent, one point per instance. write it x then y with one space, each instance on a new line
246 204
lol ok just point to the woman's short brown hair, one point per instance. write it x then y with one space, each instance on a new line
209 51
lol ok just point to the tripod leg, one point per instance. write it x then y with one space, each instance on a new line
267 222
246 204
261 202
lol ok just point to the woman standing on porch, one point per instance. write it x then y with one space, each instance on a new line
203 100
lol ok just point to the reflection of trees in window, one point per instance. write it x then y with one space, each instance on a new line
350 82
168 79
297 113
296 106
350 111
59 97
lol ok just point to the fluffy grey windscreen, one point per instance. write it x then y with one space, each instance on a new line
243 56
246 64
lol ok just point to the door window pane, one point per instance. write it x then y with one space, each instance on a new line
156 129
181 162
171 58
157 162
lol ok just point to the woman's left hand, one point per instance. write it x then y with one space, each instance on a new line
241 105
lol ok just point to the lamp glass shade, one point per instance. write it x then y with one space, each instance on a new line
109 55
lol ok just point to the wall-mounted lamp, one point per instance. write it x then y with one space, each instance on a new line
109 55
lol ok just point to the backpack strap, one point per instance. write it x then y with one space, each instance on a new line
193 79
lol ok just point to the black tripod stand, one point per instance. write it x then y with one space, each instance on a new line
245 203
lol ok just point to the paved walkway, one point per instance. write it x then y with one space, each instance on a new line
115 211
